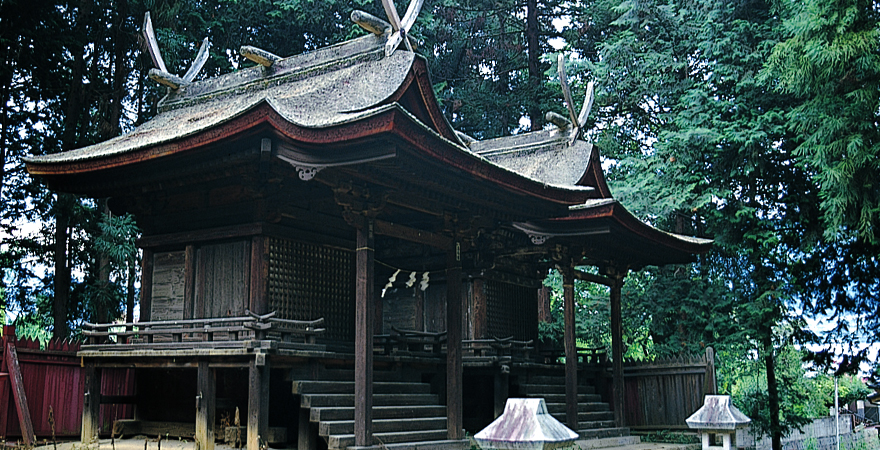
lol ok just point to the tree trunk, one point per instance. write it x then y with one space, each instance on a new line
772 391
534 53
62 271
103 280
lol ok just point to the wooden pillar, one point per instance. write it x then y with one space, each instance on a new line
258 402
206 402
501 388
259 302
453 345
571 357
618 383
146 286
544 311
363 351
91 403
305 436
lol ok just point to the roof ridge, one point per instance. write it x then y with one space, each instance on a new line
290 69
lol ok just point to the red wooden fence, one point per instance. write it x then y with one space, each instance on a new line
52 377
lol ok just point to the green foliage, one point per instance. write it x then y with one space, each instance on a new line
748 382
671 437
831 63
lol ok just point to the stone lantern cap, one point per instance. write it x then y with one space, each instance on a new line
525 425
717 413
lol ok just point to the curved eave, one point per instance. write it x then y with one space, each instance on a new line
389 121
604 229
594 175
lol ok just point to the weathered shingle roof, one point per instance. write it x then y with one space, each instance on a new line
545 155
331 86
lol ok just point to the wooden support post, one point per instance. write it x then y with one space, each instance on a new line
189 286
91 403
501 385
306 438
146 286
258 402
618 382
571 357
21 406
710 384
206 401
453 344
363 351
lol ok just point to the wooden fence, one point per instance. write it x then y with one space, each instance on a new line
661 394
51 379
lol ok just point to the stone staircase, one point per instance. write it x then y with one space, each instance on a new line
595 417
406 415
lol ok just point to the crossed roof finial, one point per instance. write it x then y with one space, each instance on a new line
160 73
397 28
578 121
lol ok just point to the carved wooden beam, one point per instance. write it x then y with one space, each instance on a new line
370 22
258 55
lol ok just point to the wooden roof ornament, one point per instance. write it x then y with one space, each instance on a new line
259 56
578 120
160 73
400 28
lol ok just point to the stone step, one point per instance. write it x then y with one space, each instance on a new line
603 433
383 425
463 444
610 442
560 398
298 374
588 417
594 424
318 400
379 412
346 440
544 389
556 408
547 379
347 387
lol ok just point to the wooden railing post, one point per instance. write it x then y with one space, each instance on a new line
205 406
91 403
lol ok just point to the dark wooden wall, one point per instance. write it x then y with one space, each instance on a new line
168 286
309 281
661 394
222 279
511 310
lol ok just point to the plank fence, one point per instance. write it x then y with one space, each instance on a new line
661 394
51 378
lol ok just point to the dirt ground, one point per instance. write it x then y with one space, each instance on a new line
134 443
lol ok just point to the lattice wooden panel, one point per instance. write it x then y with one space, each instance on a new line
512 310
308 281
